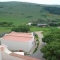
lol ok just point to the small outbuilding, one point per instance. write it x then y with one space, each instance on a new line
41 25
29 24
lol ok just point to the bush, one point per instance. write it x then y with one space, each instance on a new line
54 35
6 24
37 42
52 49
22 28
54 24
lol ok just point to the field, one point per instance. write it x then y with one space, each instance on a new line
5 29
46 30
21 13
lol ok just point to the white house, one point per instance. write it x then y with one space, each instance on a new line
41 25
18 41
29 24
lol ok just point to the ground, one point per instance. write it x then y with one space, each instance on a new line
38 53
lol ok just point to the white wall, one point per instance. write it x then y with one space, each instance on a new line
0 40
0 54
31 43
6 56
14 45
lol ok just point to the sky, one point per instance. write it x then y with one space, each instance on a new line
54 2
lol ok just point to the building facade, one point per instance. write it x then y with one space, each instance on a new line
18 41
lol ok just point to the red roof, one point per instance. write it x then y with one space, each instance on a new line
21 34
15 36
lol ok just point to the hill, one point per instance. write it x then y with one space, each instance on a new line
22 12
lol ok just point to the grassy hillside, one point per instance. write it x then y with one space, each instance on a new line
20 12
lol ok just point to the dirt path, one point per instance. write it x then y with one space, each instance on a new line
41 43
38 53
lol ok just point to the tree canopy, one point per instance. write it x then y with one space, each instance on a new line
54 35
6 24
53 10
52 49
21 28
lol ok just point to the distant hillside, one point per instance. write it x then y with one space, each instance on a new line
21 12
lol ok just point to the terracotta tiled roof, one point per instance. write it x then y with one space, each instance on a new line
21 33
23 57
17 38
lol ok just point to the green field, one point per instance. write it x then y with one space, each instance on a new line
46 30
5 29
21 12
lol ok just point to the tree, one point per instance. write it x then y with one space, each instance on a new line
54 24
54 35
6 24
53 10
22 28
51 37
52 51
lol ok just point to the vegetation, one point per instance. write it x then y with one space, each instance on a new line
5 29
37 43
52 49
54 24
46 30
48 22
52 36
21 13
53 10
6 24
21 28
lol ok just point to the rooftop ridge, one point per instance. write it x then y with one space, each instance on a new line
21 33
18 36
